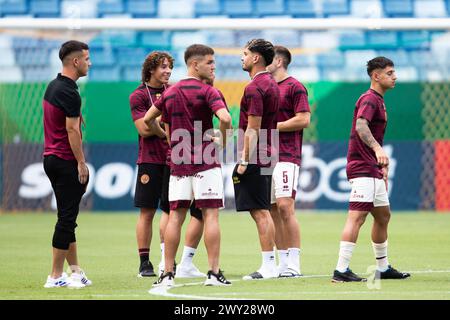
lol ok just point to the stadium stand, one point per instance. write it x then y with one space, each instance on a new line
121 52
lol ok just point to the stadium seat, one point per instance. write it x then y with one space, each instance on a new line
176 9
38 74
102 57
13 7
10 74
335 7
319 39
331 59
429 9
105 7
243 37
32 57
8 58
207 8
220 38
407 74
114 38
132 74
354 59
25 43
398 8
287 38
301 8
104 74
183 39
126 56
45 8
352 40
382 39
310 74
238 8
78 9
269 7
422 59
142 8
157 40
303 60
447 2
414 39
366 9
399 57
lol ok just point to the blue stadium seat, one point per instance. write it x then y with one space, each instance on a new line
399 57
238 8
335 7
207 8
132 74
422 59
269 7
142 8
333 59
32 57
221 38
398 8
429 9
102 57
45 8
24 43
157 40
114 38
303 60
104 74
382 39
352 40
105 7
301 8
415 39
447 5
130 56
37 74
13 7
243 37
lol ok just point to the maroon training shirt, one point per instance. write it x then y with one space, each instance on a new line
181 105
261 98
151 149
293 99
361 160
61 100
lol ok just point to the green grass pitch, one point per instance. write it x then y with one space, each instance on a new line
418 242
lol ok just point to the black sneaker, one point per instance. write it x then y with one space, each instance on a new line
216 279
146 270
347 276
165 280
391 273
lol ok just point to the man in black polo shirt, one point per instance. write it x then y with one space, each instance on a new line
64 161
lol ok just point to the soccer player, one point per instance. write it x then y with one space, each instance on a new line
187 110
252 186
64 161
367 171
152 181
293 116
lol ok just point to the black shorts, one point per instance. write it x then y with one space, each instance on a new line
152 188
63 175
165 206
251 189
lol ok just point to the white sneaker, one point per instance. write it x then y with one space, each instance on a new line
262 274
57 283
189 271
165 280
79 280
290 273
216 279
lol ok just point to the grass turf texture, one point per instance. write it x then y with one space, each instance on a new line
418 242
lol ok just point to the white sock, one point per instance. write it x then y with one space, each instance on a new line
345 255
188 255
283 259
268 260
380 251
294 259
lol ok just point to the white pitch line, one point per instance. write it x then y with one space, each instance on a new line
164 291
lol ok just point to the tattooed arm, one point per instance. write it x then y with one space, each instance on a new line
363 130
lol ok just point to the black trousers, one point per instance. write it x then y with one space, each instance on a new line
63 175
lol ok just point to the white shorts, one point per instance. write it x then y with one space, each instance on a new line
368 193
206 187
284 181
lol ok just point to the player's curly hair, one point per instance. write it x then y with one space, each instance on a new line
263 47
153 60
378 63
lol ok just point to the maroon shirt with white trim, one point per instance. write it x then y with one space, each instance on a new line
181 105
261 98
61 100
152 149
293 99
361 159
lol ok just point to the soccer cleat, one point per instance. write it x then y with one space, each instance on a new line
146 270
216 279
261 275
290 273
391 273
165 280
189 271
58 282
347 276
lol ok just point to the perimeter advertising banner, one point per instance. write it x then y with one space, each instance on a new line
322 183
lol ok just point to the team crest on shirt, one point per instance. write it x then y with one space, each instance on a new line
158 95
145 178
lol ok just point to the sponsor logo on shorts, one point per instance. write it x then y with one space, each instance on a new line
285 188
145 178
210 193
355 195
